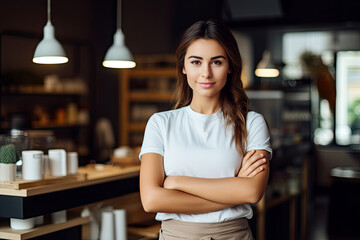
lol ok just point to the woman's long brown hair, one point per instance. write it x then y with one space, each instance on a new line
233 100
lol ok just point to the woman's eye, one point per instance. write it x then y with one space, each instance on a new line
195 62
217 62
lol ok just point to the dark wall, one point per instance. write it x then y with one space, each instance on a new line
150 27
153 27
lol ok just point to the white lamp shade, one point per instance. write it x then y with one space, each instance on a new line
49 50
265 68
118 55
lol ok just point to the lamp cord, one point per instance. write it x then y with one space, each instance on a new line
48 10
118 14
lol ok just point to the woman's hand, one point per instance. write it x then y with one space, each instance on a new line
251 164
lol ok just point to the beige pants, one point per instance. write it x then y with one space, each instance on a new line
237 229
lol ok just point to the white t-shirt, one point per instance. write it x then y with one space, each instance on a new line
200 145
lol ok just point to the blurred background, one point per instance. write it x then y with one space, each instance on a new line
312 104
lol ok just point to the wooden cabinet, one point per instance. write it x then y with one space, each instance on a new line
143 91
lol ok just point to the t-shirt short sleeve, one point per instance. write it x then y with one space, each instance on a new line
258 133
153 141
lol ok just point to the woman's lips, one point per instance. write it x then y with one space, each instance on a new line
206 84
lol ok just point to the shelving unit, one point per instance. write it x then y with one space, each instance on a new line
288 114
72 221
43 98
55 98
50 111
143 91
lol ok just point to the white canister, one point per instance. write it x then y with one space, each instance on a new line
107 226
22 224
120 224
72 162
58 162
33 165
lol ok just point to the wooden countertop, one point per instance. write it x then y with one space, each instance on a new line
89 175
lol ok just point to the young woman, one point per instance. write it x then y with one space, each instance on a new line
205 162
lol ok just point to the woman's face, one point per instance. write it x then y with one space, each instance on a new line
206 66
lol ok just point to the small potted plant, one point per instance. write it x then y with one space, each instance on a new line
8 159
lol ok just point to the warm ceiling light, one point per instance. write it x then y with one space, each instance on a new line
266 68
118 55
266 72
49 50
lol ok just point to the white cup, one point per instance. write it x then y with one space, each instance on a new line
120 224
33 165
107 226
72 162
22 224
57 159
58 217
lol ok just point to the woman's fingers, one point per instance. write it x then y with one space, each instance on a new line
256 172
252 164
255 167
251 160
248 155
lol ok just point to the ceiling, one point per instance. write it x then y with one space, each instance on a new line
244 13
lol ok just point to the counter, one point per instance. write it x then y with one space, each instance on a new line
100 183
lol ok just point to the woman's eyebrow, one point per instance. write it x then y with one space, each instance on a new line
194 57
197 57
220 56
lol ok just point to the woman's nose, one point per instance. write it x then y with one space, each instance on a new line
206 72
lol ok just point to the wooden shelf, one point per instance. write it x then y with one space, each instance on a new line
8 233
37 126
153 96
164 72
55 125
129 96
95 174
42 92
48 180
137 127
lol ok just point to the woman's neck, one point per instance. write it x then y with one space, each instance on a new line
205 107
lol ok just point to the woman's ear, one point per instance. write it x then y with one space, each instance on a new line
229 71
183 70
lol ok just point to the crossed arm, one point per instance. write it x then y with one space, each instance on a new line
191 195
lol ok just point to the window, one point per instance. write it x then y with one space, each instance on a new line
294 44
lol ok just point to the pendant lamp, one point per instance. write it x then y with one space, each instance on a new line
265 68
118 55
49 50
